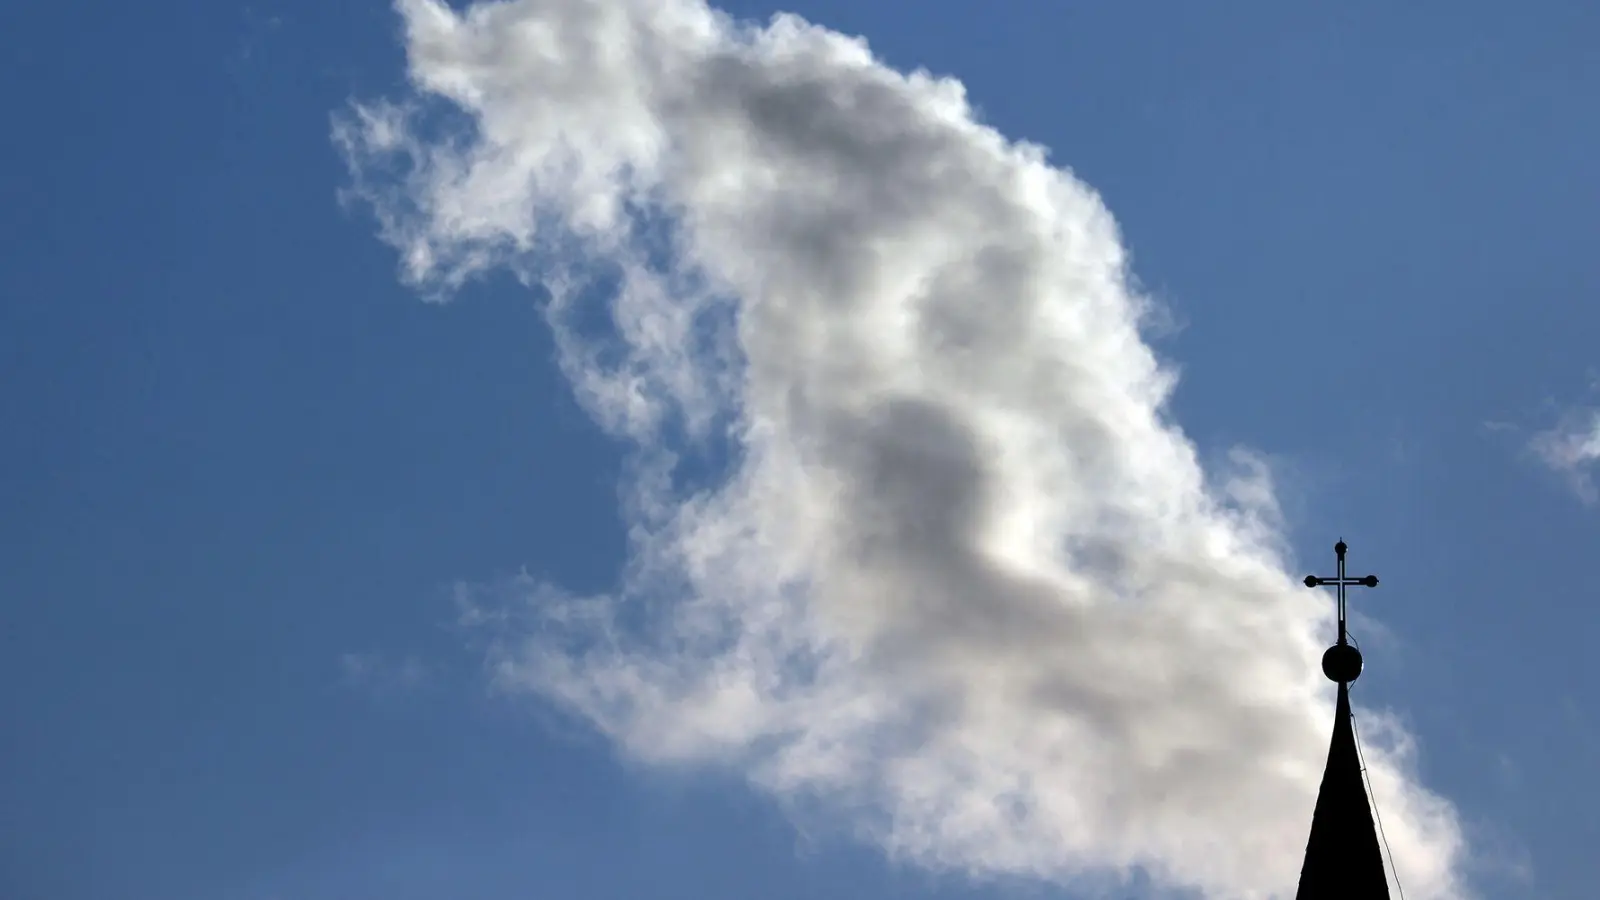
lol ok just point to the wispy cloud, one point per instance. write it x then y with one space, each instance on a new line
965 584
1572 449
372 672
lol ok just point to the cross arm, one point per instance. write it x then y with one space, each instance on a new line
1315 581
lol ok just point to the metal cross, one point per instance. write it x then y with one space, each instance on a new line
1341 581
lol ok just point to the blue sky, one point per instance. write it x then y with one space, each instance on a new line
246 466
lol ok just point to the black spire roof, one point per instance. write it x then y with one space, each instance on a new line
1343 859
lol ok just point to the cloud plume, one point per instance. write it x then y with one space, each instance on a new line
1572 449
959 582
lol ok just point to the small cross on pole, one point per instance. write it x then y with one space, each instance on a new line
1341 581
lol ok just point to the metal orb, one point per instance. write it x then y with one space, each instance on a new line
1342 663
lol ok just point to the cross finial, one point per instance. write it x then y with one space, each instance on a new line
1342 663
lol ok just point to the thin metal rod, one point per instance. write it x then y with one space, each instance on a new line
1341 581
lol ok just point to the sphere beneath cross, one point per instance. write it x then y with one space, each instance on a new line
1342 663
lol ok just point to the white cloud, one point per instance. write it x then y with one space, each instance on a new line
965 585
1572 448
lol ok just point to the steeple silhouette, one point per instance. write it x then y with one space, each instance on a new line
1343 859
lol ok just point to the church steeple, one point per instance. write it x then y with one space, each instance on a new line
1343 859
